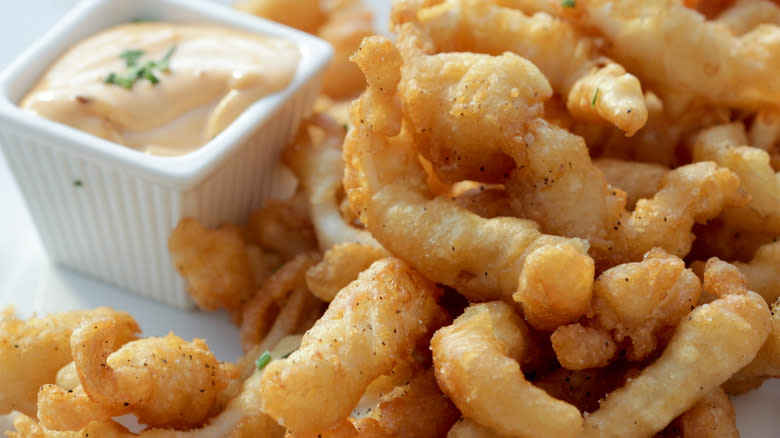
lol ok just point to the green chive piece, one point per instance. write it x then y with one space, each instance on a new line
263 360
164 63
147 72
595 97
568 3
136 71
286 355
77 183
131 57
148 75
123 81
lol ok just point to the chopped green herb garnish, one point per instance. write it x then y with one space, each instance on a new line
122 81
136 71
595 97
146 73
263 360
346 127
164 63
568 3
131 57
77 183
286 355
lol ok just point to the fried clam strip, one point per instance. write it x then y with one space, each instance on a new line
633 305
762 271
242 418
483 259
724 144
281 12
466 111
342 23
166 382
32 351
339 266
660 42
561 171
348 23
315 158
62 408
562 190
712 343
766 364
745 15
724 278
416 409
258 313
764 133
368 328
713 416
594 87
283 226
476 362
214 263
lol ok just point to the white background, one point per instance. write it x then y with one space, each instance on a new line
31 283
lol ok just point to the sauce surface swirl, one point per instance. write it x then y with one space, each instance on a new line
214 73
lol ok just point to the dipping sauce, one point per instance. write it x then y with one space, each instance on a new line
194 80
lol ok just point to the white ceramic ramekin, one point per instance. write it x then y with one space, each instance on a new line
107 211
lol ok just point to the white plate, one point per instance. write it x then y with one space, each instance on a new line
31 283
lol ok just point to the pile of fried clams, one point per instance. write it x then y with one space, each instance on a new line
540 219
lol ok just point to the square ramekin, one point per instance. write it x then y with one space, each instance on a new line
106 210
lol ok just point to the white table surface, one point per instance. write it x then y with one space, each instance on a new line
31 283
